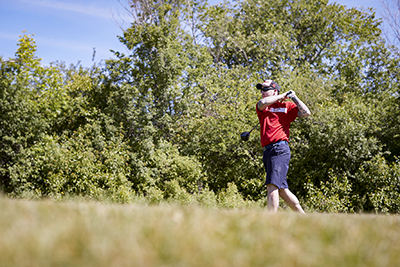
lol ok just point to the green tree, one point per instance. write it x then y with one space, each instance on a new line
151 89
27 99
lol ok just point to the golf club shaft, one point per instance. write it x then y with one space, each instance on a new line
254 127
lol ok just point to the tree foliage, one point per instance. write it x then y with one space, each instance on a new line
162 120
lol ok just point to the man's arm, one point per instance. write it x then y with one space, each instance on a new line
268 101
304 111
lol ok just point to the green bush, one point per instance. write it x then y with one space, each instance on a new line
173 192
73 165
331 195
374 188
378 186
154 195
230 197
207 198
157 165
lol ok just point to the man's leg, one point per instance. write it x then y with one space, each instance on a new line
273 198
291 200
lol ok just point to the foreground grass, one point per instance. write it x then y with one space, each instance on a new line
45 233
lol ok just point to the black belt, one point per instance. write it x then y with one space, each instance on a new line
273 144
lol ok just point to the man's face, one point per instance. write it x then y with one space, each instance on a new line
269 93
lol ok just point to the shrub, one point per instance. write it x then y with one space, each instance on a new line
378 186
163 163
154 195
207 198
72 165
230 197
332 195
175 193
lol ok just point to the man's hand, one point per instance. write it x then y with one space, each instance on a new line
290 94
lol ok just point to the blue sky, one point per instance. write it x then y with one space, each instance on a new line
68 30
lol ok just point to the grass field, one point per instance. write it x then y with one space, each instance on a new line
46 233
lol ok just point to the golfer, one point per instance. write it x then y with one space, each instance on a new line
275 116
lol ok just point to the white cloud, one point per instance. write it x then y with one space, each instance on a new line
91 10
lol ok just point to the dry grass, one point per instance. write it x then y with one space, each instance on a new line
45 233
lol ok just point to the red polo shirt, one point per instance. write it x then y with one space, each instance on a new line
275 121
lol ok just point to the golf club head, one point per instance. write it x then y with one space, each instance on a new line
245 136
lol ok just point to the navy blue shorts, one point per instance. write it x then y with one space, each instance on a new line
276 159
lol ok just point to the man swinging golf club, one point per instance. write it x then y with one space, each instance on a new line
275 116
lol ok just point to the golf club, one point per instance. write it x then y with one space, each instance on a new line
246 135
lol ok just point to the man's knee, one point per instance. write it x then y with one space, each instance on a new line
273 197
273 191
288 196
272 188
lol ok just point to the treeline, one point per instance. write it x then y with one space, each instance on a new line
163 120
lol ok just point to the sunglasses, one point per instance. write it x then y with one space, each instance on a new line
267 88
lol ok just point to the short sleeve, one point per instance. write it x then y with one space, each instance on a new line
293 110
